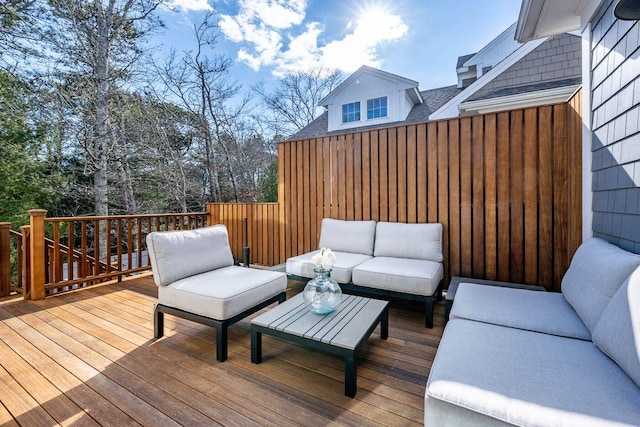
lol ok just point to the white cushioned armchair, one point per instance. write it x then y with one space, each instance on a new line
197 281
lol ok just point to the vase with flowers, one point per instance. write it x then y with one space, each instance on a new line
322 294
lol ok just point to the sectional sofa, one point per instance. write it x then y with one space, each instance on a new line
385 259
513 357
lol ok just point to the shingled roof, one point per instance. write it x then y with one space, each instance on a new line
433 99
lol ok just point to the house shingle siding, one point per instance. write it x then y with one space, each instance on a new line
556 59
615 92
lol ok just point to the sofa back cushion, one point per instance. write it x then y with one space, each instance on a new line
617 333
415 241
175 255
348 236
597 271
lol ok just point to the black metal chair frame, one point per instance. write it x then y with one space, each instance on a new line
221 326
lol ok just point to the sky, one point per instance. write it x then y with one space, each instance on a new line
417 39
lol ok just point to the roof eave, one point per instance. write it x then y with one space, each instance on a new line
543 18
509 102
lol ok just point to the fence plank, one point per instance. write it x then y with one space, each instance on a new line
490 197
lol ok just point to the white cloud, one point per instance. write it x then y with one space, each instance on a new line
187 5
262 25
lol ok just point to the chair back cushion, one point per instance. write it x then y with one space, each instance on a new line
617 333
348 236
596 272
175 255
415 241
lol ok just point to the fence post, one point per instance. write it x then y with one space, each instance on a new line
5 259
37 256
24 264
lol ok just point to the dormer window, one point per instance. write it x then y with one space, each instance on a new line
351 112
377 107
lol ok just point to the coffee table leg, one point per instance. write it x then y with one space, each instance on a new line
256 347
384 323
350 376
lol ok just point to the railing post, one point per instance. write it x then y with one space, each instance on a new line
37 256
24 269
5 259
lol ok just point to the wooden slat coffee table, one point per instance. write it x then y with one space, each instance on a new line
341 332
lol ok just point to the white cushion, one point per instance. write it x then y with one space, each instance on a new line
410 276
416 241
348 236
617 333
341 272
223 293
178 254
530 379
596 272
546 312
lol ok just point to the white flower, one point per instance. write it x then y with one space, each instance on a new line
324 259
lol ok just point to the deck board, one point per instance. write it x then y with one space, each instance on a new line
89 358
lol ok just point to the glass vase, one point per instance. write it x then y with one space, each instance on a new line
322 294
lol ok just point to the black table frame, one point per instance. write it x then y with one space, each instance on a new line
350 372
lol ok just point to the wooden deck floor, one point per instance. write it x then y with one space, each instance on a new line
89 358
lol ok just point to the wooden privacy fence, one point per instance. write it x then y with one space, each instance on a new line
263 236
506 186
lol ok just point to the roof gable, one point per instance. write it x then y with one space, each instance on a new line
402 82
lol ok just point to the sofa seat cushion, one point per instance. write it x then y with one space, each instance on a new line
596 272
546 312
303 266
528 378
223 293
410 276
617 333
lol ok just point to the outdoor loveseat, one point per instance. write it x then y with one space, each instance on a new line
526 358
390 260
197 280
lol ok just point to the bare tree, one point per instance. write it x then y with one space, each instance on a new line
294 103
200 82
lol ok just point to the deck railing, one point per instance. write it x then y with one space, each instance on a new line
68 253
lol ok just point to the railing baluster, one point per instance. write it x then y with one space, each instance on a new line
5 259
71 241
26 259
96 247
108 245
119 241
57 259
139 248
129 242
82 267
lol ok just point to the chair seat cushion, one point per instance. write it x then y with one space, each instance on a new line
546 312
528 378
303 266
410 276
223 293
